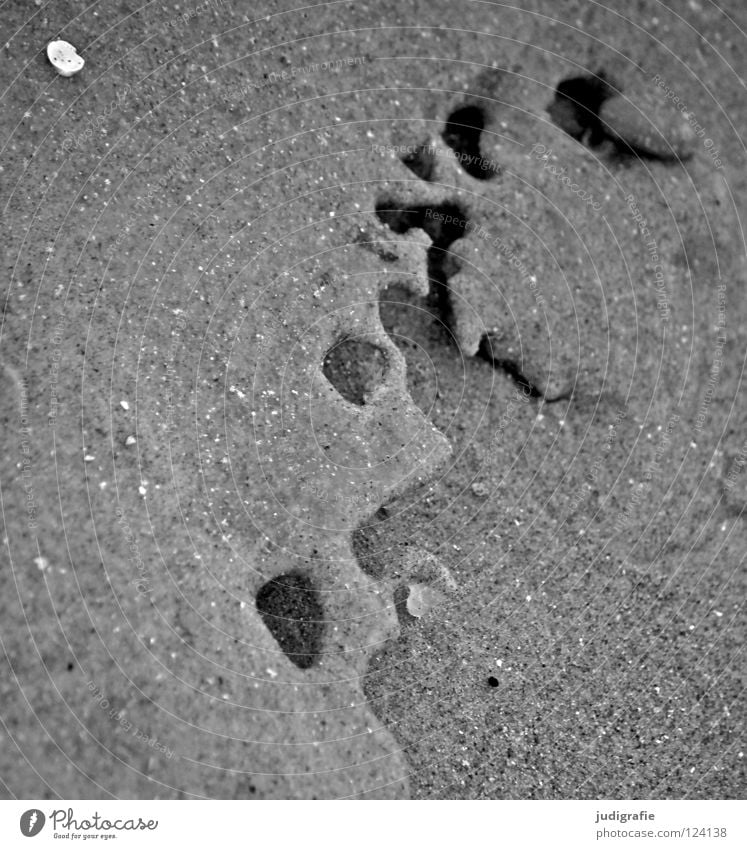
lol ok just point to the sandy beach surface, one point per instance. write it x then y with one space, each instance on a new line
373 416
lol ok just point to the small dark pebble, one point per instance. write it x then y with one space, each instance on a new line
493 681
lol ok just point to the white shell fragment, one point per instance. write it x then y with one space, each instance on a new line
64 58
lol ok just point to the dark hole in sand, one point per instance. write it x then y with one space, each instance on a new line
575 108
290 607
462 134
355 367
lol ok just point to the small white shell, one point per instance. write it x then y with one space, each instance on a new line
64 58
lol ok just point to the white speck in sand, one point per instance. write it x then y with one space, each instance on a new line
272 673
42 563
130 440
88 458
125 405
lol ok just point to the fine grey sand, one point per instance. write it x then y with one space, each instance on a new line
374 411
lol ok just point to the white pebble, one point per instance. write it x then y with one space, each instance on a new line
64 58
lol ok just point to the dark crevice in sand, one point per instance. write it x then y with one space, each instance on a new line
290 608
355 367
462 134
581 108
444 224
513 370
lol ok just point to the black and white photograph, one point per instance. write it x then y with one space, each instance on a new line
374 423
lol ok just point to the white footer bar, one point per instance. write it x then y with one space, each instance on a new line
383 825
